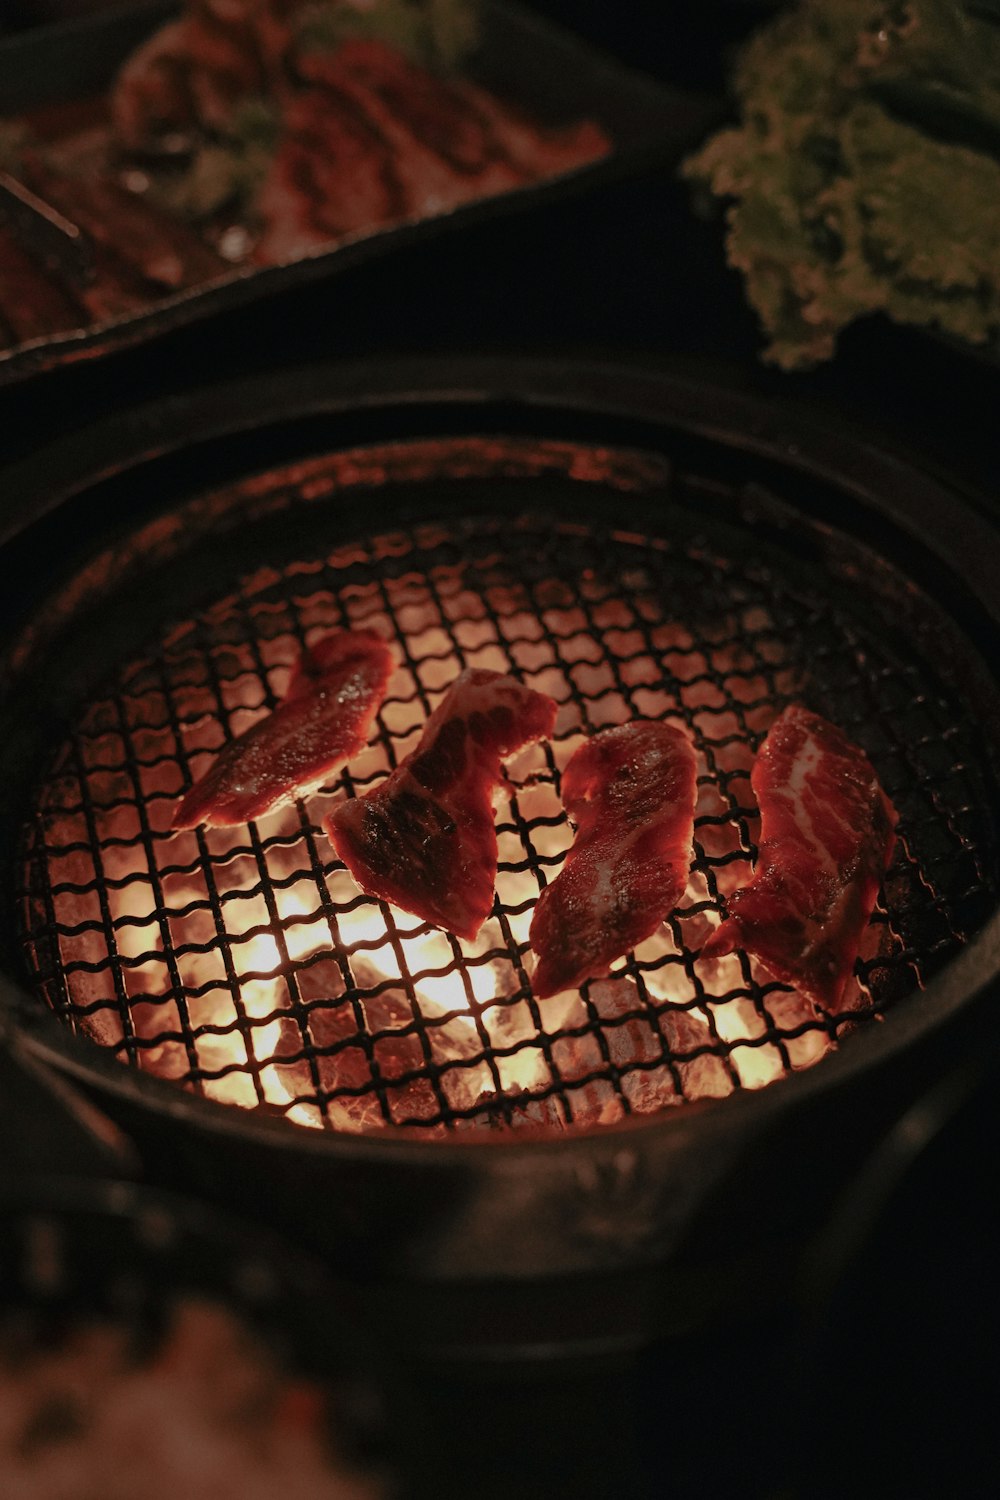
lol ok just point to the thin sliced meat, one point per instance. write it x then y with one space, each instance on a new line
425 839
324 719
631 793
826 841
383 89
662 1057
331 176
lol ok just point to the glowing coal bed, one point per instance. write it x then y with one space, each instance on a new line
245 964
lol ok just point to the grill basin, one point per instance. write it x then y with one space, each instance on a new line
245 965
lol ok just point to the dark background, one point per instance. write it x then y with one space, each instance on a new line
894 1356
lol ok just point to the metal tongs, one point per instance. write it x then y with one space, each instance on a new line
45 233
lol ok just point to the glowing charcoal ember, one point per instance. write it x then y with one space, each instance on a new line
324 719
386 1044
827 836
311 198
308 1047
662 1058
243 963
311 142
742 1027
803 1039
631 792
702 1073
425 839
515 1112
371 139
661 1055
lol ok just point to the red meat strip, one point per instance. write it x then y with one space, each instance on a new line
359 152
425 838
826 842
331 176
324 719
137 240
631 793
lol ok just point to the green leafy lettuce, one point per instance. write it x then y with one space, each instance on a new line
864 175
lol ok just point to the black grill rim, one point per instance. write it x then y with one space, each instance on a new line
900 504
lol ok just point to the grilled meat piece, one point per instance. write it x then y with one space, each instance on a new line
425 839
442 145
827 836
324 719
631 793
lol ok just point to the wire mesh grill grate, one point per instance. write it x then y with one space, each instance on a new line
244 963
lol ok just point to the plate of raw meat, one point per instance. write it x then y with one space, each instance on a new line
183 159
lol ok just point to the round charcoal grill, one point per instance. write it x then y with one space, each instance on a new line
244 963
615 554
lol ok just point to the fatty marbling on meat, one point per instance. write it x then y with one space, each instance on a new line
425 839
631 793
827 836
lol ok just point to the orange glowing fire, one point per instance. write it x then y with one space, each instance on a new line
440 994
462 993
245 963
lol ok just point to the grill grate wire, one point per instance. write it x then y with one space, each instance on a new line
244 964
